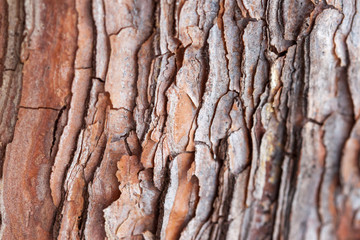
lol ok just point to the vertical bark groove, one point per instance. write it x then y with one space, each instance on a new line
179 119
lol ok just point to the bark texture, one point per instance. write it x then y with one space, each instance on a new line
180 119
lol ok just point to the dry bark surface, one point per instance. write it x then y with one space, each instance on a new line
180 119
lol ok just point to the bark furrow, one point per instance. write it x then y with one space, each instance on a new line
179 119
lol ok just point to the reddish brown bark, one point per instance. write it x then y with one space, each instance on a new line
179 119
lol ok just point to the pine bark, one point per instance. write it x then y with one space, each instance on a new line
180 119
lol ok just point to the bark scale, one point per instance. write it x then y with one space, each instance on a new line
175 119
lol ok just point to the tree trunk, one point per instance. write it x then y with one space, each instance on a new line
180 119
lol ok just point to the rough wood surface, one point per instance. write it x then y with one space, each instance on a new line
180 119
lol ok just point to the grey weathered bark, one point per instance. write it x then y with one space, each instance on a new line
180 119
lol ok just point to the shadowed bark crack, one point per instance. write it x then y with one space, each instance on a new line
175 119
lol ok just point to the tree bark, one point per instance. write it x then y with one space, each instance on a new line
180 119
